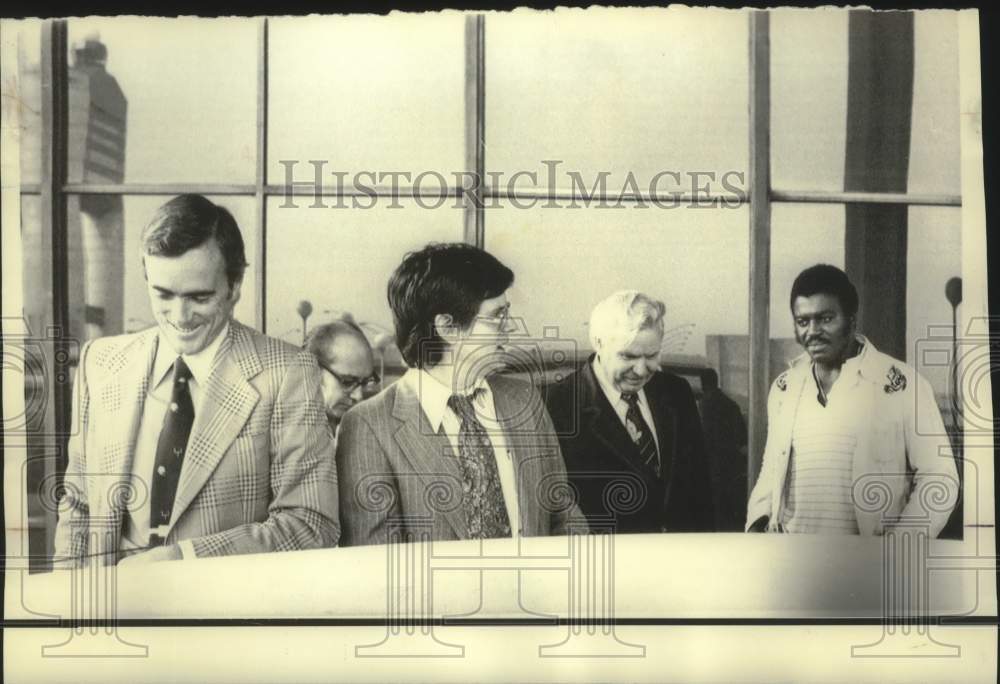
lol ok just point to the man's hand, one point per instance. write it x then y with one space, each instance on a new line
158 553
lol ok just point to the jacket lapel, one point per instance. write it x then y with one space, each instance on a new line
529 468
429 453
603 424
119 402
665 423
797 383
226 403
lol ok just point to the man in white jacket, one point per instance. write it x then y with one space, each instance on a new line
855 440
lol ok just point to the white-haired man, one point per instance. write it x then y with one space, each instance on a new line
629 432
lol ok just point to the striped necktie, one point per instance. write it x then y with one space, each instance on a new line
641 433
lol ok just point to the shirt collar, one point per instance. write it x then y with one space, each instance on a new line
433 395
200 364
868 362
614 396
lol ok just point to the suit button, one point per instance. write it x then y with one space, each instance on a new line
663 528
160 470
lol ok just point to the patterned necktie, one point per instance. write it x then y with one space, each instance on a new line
482 497
170 453
641 434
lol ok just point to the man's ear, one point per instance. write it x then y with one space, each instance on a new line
234 291
444 326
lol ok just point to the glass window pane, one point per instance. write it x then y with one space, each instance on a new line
934 255
566 261
935 149
381 94
38 391
170 100
696 262
340 260
29 45
37 294
802 235
640 91
808 99
107 285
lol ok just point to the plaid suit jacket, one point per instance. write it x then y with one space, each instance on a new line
400 480
259 473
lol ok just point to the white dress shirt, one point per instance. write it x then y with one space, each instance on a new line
433 397
621 406
154 408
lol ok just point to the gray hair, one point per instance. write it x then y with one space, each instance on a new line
623 315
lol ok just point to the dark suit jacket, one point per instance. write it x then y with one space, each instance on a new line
400 480
601 458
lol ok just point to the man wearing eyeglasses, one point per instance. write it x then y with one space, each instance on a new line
454 449
345 357
849 428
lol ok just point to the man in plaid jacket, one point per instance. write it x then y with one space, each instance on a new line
198 437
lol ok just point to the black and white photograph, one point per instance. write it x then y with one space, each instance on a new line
600 344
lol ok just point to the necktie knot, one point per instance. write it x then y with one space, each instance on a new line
631 398
461 404
181 371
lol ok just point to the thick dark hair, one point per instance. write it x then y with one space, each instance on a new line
452 278
826 279
189 221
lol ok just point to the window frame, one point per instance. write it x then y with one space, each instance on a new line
53 191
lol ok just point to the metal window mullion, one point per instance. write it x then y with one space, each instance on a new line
52 207
260 180
760 238
836 197
475 130
158 188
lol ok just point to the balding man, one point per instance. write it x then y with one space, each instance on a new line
626 426
345 357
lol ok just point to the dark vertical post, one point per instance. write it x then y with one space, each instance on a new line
475 127
879 106
760 236
260 180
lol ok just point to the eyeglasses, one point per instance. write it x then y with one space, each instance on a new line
500 320
352 382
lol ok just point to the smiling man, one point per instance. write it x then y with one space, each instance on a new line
199 436
843 429
454 449
630 433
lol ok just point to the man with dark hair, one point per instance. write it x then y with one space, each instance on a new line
212 433
453 450
843 429
345 357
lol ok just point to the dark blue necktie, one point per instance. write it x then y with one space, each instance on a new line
170 453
